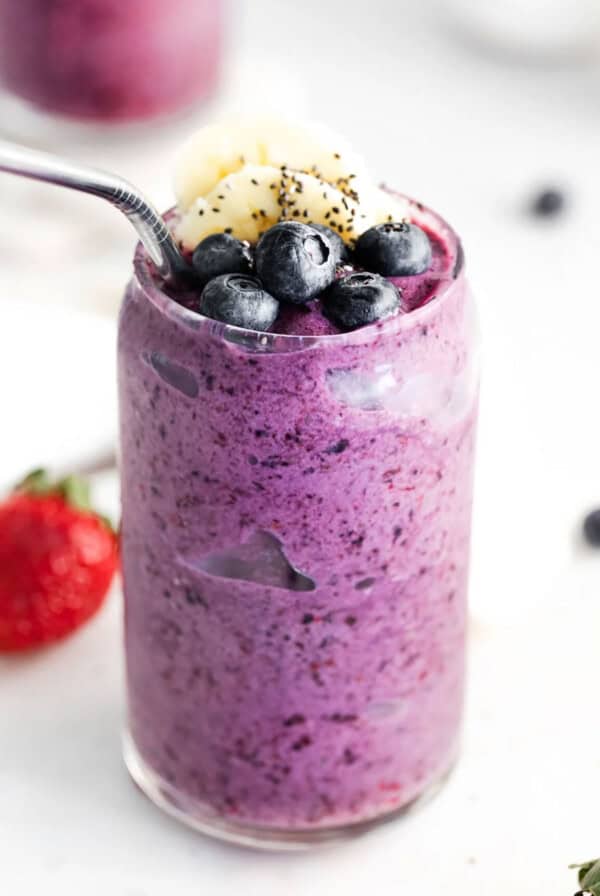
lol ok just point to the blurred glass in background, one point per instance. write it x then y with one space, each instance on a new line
110 60
539 28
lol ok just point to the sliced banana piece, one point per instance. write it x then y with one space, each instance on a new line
208 156
386 207
221 149
315 200
316 150
249 201
244 203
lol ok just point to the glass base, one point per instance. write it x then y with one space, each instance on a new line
202 818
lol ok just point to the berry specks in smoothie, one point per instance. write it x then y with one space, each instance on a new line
337 447
194 597
364 585
350 756
343 717
295 719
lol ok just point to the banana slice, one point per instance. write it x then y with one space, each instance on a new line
311 199
218 150
249 201
388 208
244 204
315 150
210 155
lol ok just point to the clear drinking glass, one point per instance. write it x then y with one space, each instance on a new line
110 60
295 539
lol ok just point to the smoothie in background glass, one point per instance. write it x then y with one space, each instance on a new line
295 537
110 60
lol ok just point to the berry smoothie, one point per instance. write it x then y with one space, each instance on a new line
110 60
295 536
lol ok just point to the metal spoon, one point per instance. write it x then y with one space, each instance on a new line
150 226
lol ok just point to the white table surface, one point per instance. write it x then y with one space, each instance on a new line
473 137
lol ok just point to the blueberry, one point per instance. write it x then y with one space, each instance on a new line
396 249
591 528
221 253
341 251
548 203
359 299
295 262
240 300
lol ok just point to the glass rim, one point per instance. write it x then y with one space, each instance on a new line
256 341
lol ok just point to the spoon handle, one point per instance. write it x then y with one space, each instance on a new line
150 226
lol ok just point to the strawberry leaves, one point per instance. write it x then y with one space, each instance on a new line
74 489
589 877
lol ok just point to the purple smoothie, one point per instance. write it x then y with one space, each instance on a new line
110 59
296 519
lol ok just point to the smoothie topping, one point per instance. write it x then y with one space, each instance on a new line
221 253
341 251
249 177
295 262
294 206
395 250
360 299
240 300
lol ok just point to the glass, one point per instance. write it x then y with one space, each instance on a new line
110 60
533 29
295 537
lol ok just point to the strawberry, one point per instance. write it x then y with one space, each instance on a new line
57 561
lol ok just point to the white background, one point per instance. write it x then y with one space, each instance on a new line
473 134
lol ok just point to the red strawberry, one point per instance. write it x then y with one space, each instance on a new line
57 560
